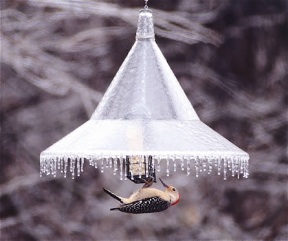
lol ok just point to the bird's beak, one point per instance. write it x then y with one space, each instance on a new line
163 183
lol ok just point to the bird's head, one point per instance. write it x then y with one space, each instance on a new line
172 191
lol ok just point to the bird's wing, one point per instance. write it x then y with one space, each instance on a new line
147 205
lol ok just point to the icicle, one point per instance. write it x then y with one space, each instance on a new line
229 164
110 162
237 168
241 166
53 167
244 163
204 164
209 166
41 168
72 167
188 167
215 162
82 164
70 164
153 163
175 164
140 166
58 163
61 164
91 162
219 166
102 165
147 166
65 166
167 167
182 164
48 167
115 160
78 166
233 167
95 163
246 173
197 167
158 165
121 168
125 168
106 165
225 168
200 165
132 175
131 169
247 168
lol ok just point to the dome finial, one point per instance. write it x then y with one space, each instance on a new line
145 29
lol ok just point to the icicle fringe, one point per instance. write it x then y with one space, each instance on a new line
191 165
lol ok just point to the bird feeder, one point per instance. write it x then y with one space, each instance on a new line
144 122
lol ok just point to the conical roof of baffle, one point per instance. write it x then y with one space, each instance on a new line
144 112
145 86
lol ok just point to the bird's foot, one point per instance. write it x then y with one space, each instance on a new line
148 182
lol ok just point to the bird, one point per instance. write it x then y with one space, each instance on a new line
147 199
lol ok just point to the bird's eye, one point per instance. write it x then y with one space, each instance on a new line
173 189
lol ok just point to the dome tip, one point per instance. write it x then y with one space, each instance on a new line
145 29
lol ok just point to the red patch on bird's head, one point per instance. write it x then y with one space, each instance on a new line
177 201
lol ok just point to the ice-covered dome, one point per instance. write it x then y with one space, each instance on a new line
145 115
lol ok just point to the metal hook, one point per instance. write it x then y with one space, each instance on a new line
146 4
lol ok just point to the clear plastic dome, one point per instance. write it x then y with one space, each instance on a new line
145 113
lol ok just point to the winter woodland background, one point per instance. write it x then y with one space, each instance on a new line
58 58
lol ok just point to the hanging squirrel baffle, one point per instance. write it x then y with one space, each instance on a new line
143 122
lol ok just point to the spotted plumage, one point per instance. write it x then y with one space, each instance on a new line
147 205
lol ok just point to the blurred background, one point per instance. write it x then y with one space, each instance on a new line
58 58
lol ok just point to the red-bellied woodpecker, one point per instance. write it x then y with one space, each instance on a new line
147 199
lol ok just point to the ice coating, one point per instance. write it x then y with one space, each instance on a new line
146 113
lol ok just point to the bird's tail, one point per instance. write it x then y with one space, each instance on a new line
112 195
111 209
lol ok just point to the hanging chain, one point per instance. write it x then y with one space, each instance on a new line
146 4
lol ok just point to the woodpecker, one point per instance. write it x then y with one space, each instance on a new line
147 199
